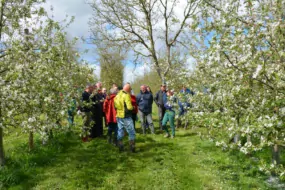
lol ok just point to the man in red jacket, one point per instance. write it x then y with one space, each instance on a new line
110 113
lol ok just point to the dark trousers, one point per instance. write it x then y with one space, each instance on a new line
112 128
97 128
161 112
134 118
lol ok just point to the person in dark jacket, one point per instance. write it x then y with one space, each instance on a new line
146 123
99 117
158 99
144 102
97 113
86 111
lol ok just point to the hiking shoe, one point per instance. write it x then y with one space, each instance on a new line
166 136
109 140
84 139
120 146
115 142
172 137
132 146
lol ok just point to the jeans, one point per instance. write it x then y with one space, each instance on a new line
169 116
149 120
128 124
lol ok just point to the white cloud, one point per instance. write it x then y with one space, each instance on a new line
79 28
79 9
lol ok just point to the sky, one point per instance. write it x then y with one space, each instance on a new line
80 28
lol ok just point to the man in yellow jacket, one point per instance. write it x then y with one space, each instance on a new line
123 106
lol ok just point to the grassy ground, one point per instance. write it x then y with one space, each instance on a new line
186 162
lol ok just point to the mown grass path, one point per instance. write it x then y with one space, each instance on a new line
185 162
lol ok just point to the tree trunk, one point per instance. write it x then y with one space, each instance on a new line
31 141
248 139
2 157
275 155
168 53
1 18
237 136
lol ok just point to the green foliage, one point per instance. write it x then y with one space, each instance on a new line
112 68
241 68
39 71
151 79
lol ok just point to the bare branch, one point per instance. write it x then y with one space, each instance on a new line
189 10
140 53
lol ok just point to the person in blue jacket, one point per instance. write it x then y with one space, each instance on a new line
184 104
144 102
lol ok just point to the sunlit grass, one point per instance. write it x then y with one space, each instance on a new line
185 162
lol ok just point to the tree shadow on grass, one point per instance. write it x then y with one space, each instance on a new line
79 165
187 134
92 165
145 139
21 164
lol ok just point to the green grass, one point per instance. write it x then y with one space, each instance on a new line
186 162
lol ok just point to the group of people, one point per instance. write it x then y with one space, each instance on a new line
93 99
120 108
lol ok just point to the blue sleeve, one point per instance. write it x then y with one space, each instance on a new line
167 106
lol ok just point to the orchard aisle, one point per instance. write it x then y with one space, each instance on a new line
185 162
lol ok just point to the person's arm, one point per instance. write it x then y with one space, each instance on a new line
151 99
156 99
128 102
138 97
167 106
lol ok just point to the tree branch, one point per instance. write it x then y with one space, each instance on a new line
187 12
1 18
230 61
219 9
